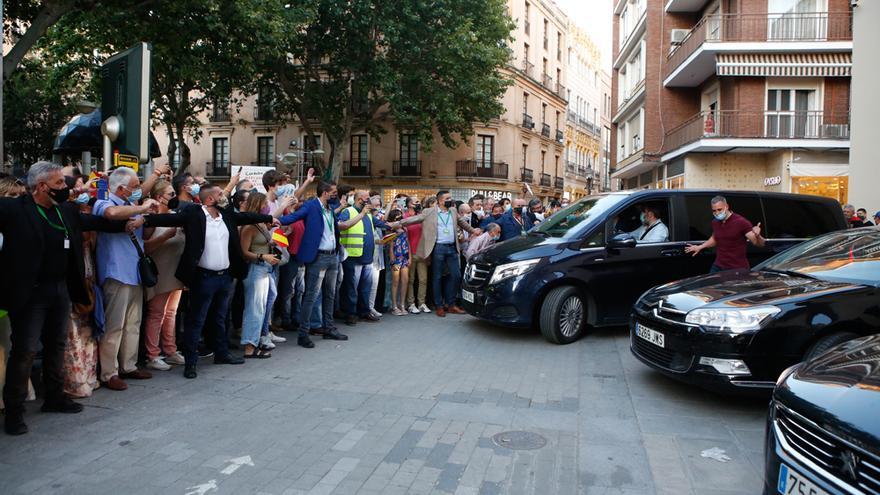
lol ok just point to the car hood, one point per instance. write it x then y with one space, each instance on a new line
840 390
520 248
739 288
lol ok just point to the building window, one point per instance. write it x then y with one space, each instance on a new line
485 150
543 113
790 114
527 15
309 145
359 155
543 156
409 148
220 156
546 34
526 103
559 47
265 151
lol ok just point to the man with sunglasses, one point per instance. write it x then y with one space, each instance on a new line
731 234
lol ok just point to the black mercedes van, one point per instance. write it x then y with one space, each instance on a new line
582 267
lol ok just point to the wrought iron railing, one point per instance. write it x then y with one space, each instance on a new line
481 168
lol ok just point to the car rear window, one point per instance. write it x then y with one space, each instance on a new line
793 219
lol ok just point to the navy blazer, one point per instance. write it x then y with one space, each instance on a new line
311 212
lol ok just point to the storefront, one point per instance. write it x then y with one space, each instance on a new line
826 180
458 194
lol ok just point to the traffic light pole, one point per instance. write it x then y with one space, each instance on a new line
110 131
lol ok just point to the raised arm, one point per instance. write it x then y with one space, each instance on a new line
248 218
100 224
158 172
310 177
295 216
754 236
465 224
351 222
232 182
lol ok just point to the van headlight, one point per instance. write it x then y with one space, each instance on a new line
508 270
732 320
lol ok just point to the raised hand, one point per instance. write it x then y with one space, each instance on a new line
757 229
310 175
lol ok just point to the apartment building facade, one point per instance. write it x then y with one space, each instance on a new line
589 102
733 94
525 144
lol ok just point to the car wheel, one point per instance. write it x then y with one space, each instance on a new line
827 342
563 315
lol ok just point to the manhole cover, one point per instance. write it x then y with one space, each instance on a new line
519 440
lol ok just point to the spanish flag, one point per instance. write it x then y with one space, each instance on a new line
280 238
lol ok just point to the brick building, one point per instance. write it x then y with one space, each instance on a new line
733 94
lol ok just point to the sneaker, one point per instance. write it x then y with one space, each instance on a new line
276 339
158 364
413 309
176 358
424 308
375 313
399 312
266 343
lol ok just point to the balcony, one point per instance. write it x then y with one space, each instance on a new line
264 112
733 130
547 81
481 168
359 168
527 121
407 168
527 26
545 130
528 175
217 168
694 59
528 68
560 136
572 117
559 183
220 114
571 168
545 180
561 91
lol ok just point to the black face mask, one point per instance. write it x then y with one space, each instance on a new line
497 216
417 208
449 203
518 210
59 195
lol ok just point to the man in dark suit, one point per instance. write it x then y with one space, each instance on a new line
43 271
211 260
319 252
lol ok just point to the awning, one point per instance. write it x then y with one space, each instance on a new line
785 64
818 169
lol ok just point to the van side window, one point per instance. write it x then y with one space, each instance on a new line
596 239
788 219
628 221
699 212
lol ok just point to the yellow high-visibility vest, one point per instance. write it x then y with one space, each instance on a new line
353 238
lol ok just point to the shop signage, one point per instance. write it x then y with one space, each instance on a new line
772 181
496 195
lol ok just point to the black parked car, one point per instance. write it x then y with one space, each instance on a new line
823 430
578 268
737 330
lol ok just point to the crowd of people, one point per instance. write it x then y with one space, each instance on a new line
203 270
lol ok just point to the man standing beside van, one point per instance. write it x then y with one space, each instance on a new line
730 235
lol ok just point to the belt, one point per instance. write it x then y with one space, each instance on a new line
218 273
446 244
326 251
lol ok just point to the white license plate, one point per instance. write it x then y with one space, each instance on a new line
793 483
467 296
651 336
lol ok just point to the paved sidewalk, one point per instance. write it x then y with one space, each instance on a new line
408 405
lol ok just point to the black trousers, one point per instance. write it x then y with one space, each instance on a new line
43 319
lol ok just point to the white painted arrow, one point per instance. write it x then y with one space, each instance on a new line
715 453
237 463
203 488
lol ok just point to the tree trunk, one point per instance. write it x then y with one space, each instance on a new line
45 18
172 147
184 148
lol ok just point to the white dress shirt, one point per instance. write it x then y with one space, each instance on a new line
657 234
216 253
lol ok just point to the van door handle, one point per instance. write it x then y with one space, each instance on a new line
671 252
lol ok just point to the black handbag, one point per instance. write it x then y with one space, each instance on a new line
147 268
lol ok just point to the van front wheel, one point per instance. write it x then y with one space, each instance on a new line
563 315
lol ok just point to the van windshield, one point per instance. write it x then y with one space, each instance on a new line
567 222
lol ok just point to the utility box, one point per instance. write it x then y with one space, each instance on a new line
125 94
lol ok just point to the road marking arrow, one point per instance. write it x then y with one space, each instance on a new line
715 453
203 488
237 463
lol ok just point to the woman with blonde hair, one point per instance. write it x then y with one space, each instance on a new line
256 245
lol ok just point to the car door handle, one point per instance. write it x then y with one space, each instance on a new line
671 252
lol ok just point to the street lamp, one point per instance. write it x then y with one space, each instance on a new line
291 158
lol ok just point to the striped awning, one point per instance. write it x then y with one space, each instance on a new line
785 64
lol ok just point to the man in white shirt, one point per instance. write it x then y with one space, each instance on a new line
652 230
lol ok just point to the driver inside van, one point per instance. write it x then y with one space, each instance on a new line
652 229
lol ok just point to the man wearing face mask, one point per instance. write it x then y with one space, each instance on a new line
440 229
534 212
497 212
117 275
360 243
477 211
43 272
730 236
484 241
514 223
652 228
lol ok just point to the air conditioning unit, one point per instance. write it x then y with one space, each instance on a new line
677 36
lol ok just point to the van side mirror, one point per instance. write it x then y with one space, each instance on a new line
622 241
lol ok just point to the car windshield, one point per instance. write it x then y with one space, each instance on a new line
565 222
849 257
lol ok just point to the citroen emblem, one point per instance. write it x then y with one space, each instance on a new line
849 462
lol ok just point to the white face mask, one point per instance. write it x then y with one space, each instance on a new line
539 216
480 213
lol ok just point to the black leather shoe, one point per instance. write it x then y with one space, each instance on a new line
305 342
189 371
351 320
66 406
335 335
228 359
370 318
14 425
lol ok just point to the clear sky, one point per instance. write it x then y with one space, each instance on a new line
594 16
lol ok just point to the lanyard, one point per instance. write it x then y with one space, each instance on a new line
62 227
327 219
522 224
446 220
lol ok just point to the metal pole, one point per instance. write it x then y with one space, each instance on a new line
86 163
110 131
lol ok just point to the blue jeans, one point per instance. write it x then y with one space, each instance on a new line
270 301
445 255
316 322
320 281
209 298
290 291
256 293
357 283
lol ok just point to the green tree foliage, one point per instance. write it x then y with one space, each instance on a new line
425 65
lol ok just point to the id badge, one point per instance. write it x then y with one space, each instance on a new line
66 243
